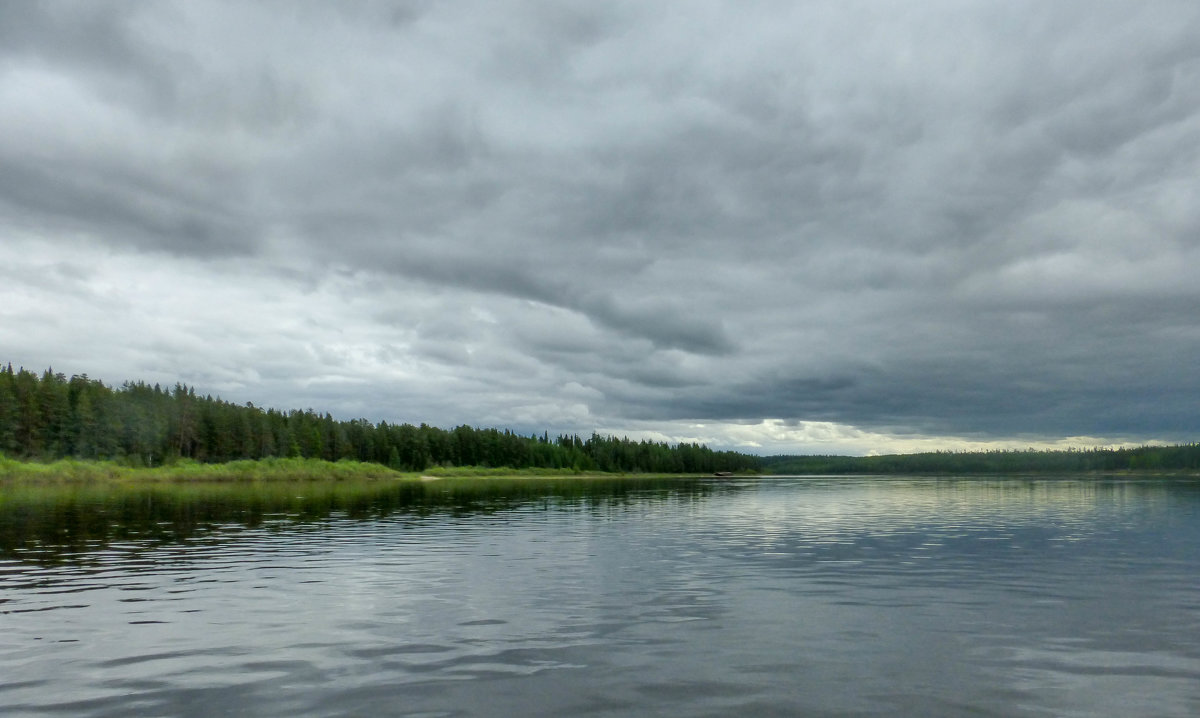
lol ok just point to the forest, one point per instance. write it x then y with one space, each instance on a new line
1185 457
48 416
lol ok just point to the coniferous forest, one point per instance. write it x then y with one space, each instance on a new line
49 416
1185 457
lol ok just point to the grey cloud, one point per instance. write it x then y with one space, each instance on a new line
952 218
131 208
90 36
1086 370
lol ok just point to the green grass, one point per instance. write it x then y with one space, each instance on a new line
63 470
505 472
272 469
79 471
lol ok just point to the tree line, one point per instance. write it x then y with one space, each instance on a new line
49 416
1155 458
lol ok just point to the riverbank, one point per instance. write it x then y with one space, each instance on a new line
269 469
85 471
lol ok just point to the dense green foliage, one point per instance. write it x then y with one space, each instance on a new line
1157 458
51 417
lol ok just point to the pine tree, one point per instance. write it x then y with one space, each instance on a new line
8 411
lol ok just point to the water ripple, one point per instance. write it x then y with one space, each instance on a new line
784 597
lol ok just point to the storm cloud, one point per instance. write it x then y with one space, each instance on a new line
774 226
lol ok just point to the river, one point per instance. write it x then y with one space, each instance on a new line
774 596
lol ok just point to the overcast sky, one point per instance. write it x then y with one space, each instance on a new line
817 227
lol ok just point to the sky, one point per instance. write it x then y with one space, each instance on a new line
778 227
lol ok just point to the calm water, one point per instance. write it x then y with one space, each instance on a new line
771 597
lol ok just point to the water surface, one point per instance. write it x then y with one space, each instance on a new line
771 597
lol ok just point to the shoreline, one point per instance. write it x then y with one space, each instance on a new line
82 471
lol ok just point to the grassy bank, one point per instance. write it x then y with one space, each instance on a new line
504 472
79 471
271 469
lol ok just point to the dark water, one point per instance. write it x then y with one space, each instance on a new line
771 597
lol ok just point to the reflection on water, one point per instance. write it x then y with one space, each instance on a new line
64 522
896 596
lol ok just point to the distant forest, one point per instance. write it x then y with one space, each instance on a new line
1154 458
51 417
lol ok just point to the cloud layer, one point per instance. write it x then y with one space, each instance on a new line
947 219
